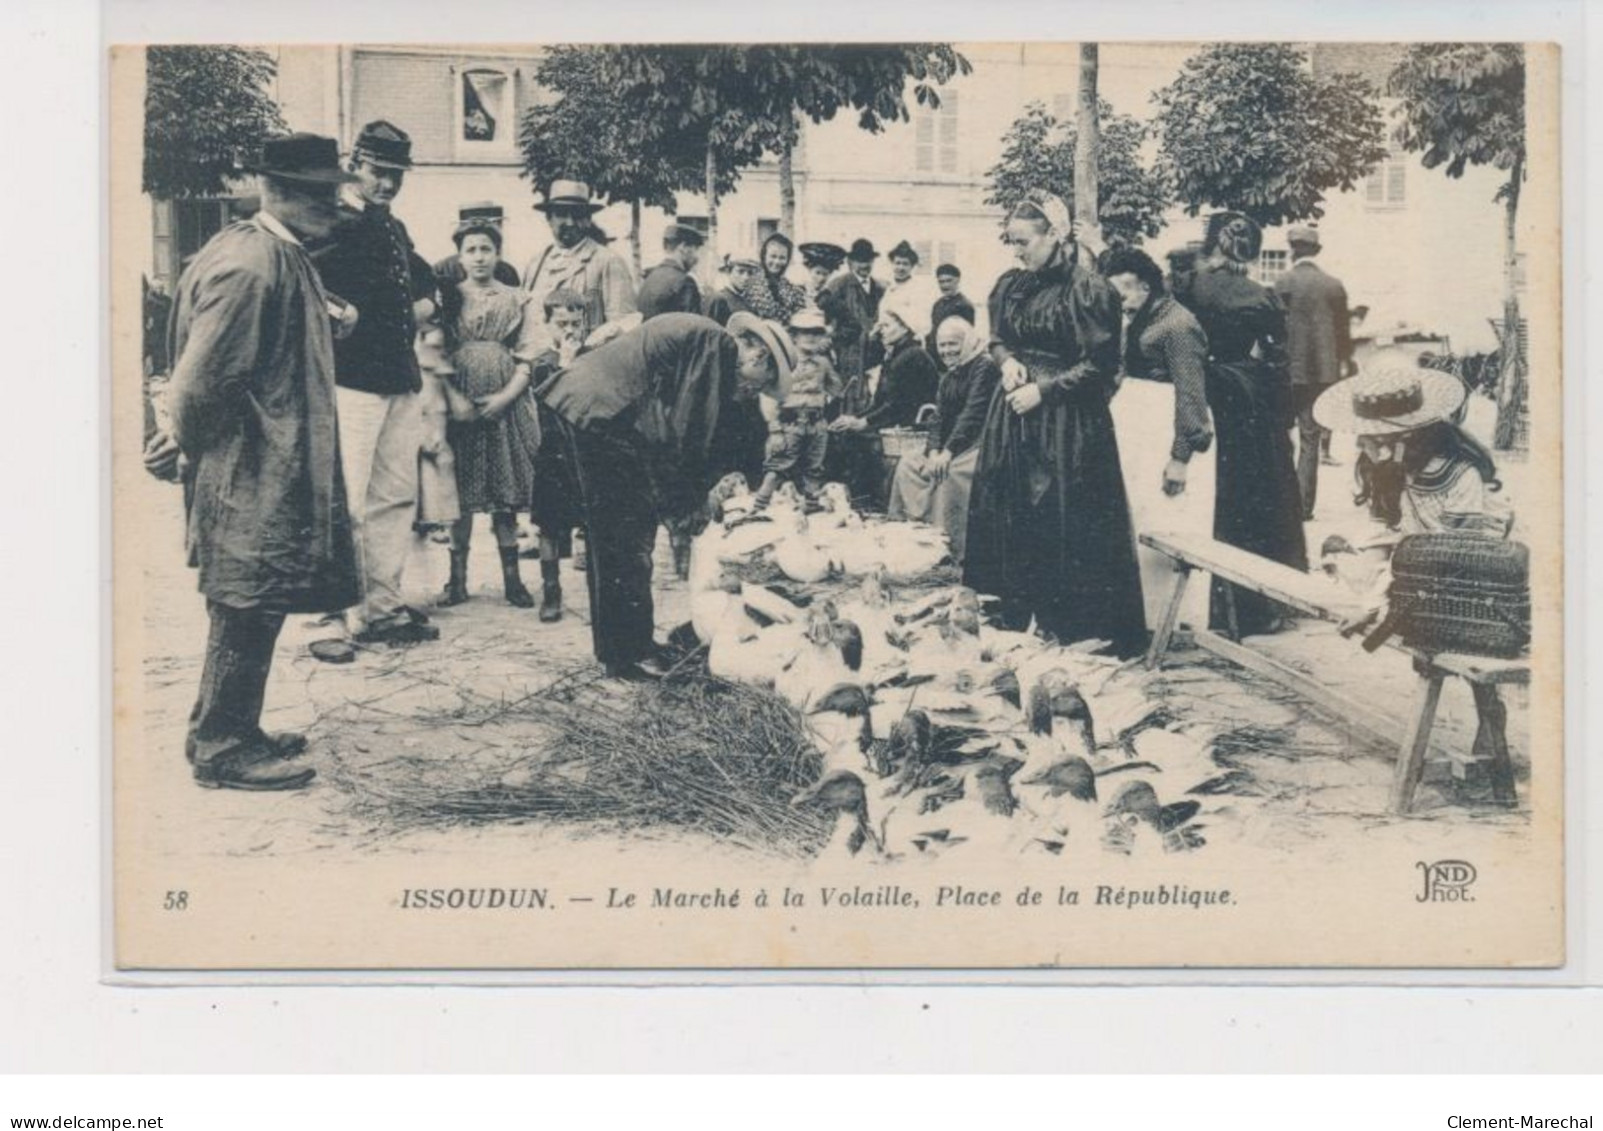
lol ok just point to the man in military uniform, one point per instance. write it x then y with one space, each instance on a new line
372 265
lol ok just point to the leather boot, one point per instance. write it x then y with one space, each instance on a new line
456 589
512 581
551 597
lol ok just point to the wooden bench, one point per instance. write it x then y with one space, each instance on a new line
1312 596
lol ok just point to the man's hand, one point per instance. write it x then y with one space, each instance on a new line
937 464
343 316
1025 399
848 424
1174 477
1013 374
161 456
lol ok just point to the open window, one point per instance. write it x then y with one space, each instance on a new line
486 113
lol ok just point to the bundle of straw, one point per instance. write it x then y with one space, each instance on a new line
693 753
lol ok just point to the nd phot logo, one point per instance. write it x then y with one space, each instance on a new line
1446 881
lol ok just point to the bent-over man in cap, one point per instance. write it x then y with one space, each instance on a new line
372 263
669 286
252 409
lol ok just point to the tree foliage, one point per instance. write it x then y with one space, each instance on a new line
588 133
1038 152
207 111
1247 127
1463 104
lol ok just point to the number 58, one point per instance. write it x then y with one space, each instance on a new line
176 901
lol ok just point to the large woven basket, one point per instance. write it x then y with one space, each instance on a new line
898 442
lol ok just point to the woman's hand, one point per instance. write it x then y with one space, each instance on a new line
848 424
493 406
1013 374
937 464
1174 477
1025 399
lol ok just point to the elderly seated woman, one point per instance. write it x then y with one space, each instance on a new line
934 487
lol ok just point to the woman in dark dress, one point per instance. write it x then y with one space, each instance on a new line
1257 505
1049 525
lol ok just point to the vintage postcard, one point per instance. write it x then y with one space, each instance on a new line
821 506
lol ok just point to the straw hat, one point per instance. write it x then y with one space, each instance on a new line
1391 400
772 335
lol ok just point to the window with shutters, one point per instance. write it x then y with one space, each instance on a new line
925 250
1386 186
484 113
935 133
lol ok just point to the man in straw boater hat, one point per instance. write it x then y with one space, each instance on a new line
638 469
576 260
373 263
669 286
450 270
1319 347
253 415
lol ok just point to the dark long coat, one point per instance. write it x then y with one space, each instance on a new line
253 410
1049 523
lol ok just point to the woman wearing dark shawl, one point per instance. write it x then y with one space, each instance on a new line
1049 526
1257 504
771 295
646 417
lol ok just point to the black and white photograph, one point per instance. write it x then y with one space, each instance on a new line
788 506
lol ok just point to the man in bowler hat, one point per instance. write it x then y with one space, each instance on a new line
851 303
253 435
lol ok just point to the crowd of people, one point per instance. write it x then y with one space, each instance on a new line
335 398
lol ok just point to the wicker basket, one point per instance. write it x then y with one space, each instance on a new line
898 442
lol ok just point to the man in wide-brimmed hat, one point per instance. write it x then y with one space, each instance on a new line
637 469
669 286
253 416
373 263
851 303
479 212
577 261
1319 347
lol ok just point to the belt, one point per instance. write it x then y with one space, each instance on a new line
800 415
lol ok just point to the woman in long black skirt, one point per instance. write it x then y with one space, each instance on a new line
1049 524
1257 504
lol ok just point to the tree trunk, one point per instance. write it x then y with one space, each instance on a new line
712 200
787 183
1087 135
634 233
1511 360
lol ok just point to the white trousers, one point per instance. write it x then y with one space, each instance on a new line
379 440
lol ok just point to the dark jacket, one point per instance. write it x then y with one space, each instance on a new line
1165 342
1318 330
907 382
371 263
852 312
948 306
723 303
961 403
668 288
252 401
668 386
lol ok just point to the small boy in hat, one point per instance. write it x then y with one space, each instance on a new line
798 434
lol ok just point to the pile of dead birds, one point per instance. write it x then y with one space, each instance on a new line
936 729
